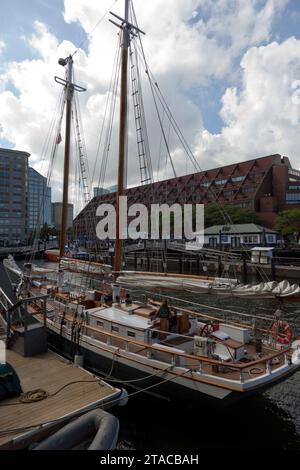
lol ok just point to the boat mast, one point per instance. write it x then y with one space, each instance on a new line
69 91
122 135
126 28
64 211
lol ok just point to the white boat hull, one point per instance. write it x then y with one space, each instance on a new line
176 382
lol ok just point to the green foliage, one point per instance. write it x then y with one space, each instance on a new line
288 222
216 214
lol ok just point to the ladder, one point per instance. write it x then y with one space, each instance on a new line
82 157
139 125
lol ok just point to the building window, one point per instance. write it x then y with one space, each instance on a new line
100 323
247 190
224 238
131 334
271 238
251 239
115 329
219 182
294 172
237 178
295 187
293 198
230 192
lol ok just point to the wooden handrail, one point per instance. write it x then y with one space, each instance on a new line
209 317
185 355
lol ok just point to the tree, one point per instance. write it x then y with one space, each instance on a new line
288 222
216 214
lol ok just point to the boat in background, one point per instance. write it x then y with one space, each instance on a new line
52 255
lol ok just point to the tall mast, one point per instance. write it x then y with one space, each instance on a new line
69 90
64 211
126 28
122 136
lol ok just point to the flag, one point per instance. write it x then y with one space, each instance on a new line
58 139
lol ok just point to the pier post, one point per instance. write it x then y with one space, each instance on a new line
245 270
135 262
273 269
219 266
180 263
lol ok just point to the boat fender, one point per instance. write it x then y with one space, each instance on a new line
296 357
78 360
9 382
282 332
98 423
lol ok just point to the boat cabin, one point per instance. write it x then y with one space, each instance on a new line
134 321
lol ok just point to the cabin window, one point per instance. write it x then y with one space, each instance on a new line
131 334
100 323
250 239
115 329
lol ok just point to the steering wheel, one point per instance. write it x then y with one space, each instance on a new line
207 330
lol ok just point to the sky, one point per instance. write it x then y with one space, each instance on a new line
229 69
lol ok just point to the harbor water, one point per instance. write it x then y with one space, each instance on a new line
267 421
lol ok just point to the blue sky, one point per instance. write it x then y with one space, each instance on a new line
17 19
229 66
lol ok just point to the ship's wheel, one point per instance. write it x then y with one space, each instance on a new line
207 330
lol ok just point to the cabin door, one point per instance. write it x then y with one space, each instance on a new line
212 242
235 242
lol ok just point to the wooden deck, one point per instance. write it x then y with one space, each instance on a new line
49 372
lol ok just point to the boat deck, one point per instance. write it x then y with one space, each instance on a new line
51 373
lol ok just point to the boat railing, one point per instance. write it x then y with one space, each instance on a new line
198 362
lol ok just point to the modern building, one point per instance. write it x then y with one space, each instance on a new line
238 235
13 195
102 191
39 200
56 215
267 185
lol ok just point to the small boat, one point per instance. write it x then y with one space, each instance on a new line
96 430
52 255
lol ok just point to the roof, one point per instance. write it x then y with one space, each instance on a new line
237 229
121 317
262 248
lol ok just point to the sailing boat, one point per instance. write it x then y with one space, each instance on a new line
176 350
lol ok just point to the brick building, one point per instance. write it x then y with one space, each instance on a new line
267 185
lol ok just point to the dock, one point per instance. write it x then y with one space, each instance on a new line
54 390
71 391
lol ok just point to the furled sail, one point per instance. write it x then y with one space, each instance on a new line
84 267
197 284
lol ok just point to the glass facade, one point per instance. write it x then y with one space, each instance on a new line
293 198
39 200
13 196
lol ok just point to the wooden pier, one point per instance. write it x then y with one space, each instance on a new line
70 391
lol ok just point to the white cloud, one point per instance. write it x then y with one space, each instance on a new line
264 116
2 46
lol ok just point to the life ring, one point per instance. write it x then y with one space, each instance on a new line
282 332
